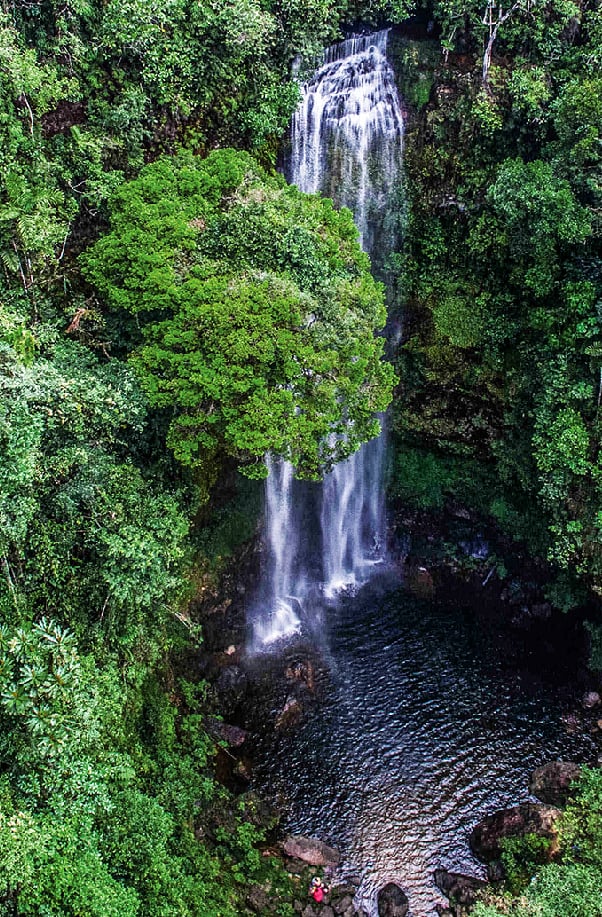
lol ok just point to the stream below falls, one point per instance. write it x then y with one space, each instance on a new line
423 726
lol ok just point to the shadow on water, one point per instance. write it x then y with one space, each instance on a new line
423 726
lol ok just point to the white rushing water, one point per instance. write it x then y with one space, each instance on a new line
282 536
346 142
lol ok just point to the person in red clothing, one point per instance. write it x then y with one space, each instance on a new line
317 890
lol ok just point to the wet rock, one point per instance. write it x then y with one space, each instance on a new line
392 901
233 736
310 850
552 781
302 671
347 889
327 912
460 889
443 911
527 818
297 907
590 699
231 685
572 723
495 871
258 899
308 911
343 904
243 771
420 582
290 714
352 883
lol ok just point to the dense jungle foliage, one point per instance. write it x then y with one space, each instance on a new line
559 889
123 243
204 325
501 373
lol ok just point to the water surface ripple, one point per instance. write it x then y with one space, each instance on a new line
421 730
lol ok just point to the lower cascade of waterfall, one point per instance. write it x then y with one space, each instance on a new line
346 142
280 598
353 518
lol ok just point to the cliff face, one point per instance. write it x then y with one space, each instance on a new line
497 330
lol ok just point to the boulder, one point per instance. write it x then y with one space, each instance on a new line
527 818
590 699
290 714
243 771
302 671
231 684
552 781
572 723
495 871
420 581
233 736
310 850
343 904
460 889
392 901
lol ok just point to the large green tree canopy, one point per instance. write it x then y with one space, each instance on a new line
258 308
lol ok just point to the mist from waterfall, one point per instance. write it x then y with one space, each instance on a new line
346 143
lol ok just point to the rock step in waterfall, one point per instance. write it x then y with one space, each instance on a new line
346 142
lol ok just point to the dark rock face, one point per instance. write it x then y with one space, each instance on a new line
552 782
528 818
62 118
392 901
231 686
311 850
460 889
420 582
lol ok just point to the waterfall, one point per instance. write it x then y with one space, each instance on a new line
347 133
282 537
346 142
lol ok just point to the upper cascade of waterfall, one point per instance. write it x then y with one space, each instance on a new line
346 137
356 44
